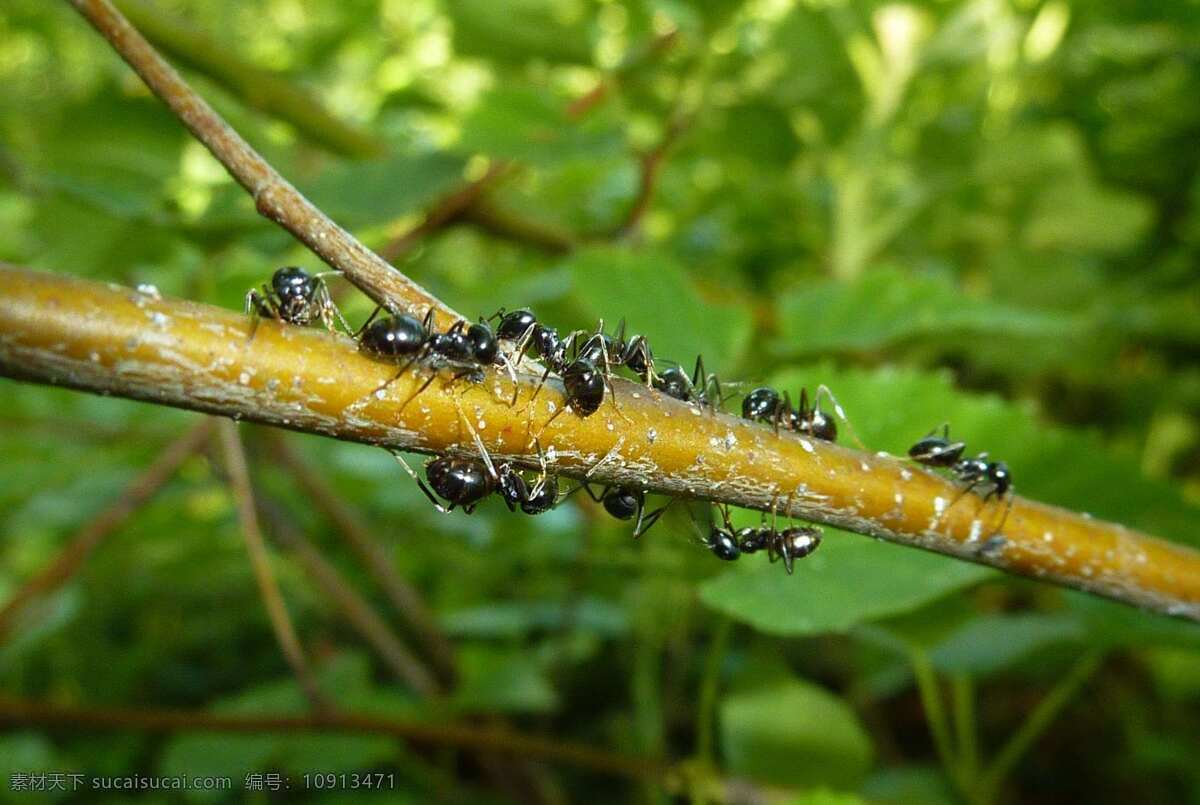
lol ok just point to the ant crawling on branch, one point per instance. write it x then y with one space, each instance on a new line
467 348
766 405
701 388
296 297
626 503
465 482
790 544
582 380
942 453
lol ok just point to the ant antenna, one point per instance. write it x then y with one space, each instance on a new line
841 413
420 484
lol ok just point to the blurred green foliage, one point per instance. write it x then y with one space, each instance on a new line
984 212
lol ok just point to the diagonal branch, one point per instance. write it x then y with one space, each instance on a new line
110 340
281 622
358 613
274 197
136 495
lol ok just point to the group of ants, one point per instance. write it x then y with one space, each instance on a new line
585 362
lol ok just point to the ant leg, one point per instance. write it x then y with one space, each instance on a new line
841 414
396 377
612 391
417 393
328 305
421 484
556 415
258 305
644 520
785 406
367 323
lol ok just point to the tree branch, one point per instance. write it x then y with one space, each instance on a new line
111 340
136 495
274 197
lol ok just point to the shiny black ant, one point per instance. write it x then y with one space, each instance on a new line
583 382
937 451
626 503
941 452
766 405
701 388
296 297
611 351
469 348
465 482
789 544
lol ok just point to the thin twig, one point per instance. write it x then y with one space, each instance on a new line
16 712
137 494
106 339
358 613
261 89
1036 724
651 164
507 225
281 623
405 599
445 211
274 197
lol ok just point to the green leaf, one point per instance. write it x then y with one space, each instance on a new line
887 306
554 30
1083 216
501 680
794 733
849 580
991 643
658 299
364 193
532 125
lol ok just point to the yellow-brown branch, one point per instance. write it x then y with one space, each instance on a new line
114 340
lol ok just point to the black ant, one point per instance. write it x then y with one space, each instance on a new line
790 544
465 482
296 297
466 347
613 351
582 381
937 451
626 503
765 405
701 388
940 452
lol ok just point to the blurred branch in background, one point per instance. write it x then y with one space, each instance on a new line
260 560
15 712
132 344
405 599
137 494
357 612
271 93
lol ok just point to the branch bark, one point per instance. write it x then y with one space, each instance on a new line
111 340
274 197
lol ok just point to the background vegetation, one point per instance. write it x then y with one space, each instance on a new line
984 212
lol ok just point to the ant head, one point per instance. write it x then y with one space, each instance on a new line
484 345
293 282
